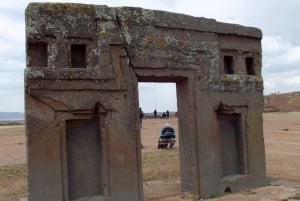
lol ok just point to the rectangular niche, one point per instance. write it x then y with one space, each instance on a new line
231 144
38 56
228 65
78 56
84 158
250 67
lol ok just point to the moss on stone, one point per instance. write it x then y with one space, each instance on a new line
78 8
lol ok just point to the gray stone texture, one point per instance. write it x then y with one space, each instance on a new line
84 63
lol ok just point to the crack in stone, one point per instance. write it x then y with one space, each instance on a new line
123 38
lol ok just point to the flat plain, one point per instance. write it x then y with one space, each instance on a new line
161 167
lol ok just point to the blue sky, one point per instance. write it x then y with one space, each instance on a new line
278 20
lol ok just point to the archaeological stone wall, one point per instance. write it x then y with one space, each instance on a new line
83 66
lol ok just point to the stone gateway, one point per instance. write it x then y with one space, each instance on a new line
83 66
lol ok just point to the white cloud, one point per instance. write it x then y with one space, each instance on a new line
12 30
278 20
159 96
282 82
12 100
281 65
278 52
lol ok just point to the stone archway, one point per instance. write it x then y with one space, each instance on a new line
83 66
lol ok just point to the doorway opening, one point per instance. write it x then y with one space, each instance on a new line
160 165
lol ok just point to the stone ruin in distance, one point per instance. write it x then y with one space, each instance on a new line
83 66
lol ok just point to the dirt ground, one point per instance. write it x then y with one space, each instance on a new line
12 145
282 142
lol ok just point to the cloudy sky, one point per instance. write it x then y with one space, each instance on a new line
278 20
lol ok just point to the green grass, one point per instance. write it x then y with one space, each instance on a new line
295 197
216 195
13 181
161 165
12 172
158 165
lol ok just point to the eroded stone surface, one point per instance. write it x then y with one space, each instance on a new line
83 66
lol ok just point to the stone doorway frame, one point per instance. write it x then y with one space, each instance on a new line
186 122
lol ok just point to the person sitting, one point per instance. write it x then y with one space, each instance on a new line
163 116
167 136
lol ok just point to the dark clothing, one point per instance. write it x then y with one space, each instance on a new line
167 137
167 133
163 115
141 116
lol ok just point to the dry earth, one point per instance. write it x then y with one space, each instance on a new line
282 141
12 145
282 102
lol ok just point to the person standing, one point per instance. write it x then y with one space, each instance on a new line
155 113
141 116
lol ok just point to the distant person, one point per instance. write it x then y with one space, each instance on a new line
167 114
141 116
155 113
163 116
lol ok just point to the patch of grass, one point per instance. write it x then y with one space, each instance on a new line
295 197
13 182
12 172
161 165
216 195
8 126
158 165
250 192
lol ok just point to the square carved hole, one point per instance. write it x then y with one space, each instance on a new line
228 65
78 56
250 67
38 56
